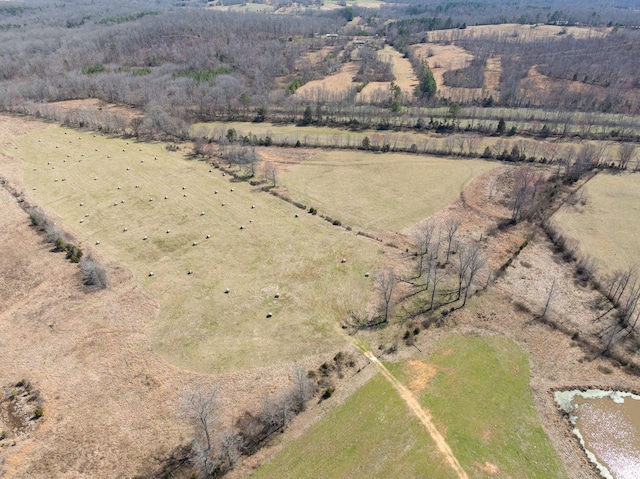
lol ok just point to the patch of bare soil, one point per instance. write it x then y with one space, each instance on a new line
421 373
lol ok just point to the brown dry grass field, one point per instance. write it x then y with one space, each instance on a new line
608 226
96 187
516 31
402 70
337 84
379 192
111 365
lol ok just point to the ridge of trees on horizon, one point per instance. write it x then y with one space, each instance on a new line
179 63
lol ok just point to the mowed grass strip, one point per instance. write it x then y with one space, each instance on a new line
371 435
199 325
608 227
480 400
379 192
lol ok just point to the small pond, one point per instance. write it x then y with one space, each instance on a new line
607 423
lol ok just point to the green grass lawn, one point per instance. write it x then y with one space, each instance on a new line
371 435
480 400
379 192
199 326
609 227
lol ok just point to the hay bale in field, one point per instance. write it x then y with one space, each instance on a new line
144 238
81 221
124 230
190 271
366 275
168 231
277 295
86 215
208 236
202 213
195 243
150 273
241 227
215 192
226 291
97 242
253 206
343 260
184 195
81 204
222 204
269 314
166 197
121 201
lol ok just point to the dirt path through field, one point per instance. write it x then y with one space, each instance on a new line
423 415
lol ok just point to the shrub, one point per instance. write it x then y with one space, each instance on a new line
327 393
38 412
93 273
336 223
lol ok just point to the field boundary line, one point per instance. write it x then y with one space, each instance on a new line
423 415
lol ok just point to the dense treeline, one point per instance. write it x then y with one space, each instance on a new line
183 63
599 73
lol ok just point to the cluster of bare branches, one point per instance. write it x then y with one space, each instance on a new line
622 289
215 449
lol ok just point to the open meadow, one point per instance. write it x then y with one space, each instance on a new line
379 192
477 391
362 438
607 227
230 235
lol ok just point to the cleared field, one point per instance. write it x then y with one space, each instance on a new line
372 434
402 70
608 227
517 32
379 192
477 389
331 86
121 185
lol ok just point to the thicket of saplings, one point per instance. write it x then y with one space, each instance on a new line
93 273
214 451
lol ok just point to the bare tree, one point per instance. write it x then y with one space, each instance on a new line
625 154
385 281
270 171
200 407
550 297
423 238
451 228
470 263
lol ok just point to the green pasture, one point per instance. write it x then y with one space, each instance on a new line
199 325
379 192
480 400
372 435
608 226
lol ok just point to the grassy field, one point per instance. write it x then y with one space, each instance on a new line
379 192
480 399
371 435
609 227
477 390
199 325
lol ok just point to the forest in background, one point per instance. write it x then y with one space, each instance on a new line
182 62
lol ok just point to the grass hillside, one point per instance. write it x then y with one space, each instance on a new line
100 186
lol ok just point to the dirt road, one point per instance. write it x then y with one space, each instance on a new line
423 415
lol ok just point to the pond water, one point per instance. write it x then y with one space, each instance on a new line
608 426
